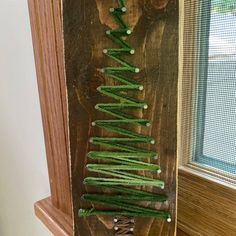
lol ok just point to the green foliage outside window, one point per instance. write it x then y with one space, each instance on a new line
224 6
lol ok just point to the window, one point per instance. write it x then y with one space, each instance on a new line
207 117
216 105
213 84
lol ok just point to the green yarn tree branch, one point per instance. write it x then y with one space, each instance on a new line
124 155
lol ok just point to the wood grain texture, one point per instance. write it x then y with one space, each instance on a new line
181 233
155 38
46 26
205 207
57 222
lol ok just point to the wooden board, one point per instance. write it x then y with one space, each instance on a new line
155 39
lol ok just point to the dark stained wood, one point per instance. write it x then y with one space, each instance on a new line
46 25
155 38
181 233
58 223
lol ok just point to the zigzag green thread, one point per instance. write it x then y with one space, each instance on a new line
123 157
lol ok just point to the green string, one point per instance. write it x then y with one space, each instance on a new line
118 165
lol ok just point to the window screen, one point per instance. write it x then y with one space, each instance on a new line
215 108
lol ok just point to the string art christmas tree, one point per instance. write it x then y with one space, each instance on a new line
120 157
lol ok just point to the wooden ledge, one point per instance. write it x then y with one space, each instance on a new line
56 221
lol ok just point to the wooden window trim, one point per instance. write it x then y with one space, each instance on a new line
206 198
46 25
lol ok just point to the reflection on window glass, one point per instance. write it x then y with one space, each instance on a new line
216 118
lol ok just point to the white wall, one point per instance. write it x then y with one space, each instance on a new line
23 171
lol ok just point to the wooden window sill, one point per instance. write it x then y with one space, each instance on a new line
56 221
205 206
